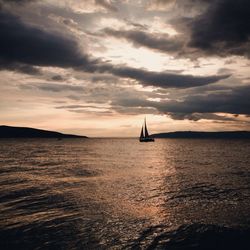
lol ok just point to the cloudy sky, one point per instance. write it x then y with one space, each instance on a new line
98 67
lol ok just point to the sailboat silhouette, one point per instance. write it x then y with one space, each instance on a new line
144 136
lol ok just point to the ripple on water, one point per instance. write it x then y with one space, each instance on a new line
194 236
118 193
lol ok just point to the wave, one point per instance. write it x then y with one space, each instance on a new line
193 237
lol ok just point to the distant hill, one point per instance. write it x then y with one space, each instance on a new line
23 132
212 135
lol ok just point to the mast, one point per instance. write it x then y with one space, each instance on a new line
142 135
146 130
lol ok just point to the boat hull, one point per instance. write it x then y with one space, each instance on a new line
148 139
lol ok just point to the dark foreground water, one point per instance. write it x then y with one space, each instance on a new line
122 194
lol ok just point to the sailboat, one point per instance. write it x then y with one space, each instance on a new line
144 136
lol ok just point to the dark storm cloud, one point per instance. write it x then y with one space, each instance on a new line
165 80
195 107
160 42
211 27
224 28
156 79
235 102
23 44
19 67
27 69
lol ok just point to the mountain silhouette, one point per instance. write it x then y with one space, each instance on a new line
24 132
212 135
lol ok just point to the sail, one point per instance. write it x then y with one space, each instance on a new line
142 135
146 130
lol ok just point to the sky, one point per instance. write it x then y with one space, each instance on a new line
98 67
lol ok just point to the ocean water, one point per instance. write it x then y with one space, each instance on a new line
122 194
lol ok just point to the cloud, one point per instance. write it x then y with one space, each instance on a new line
163 2
74 107
23 44
88 109
201 116
19 67
223 29
235 102
104 78
162 79
158 5
57 78
211 28
160 42
53 87
197 106
16 1
135 110
107 5
186 7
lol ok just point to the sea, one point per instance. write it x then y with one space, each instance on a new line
122 194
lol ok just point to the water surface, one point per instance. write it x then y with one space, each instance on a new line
122 194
